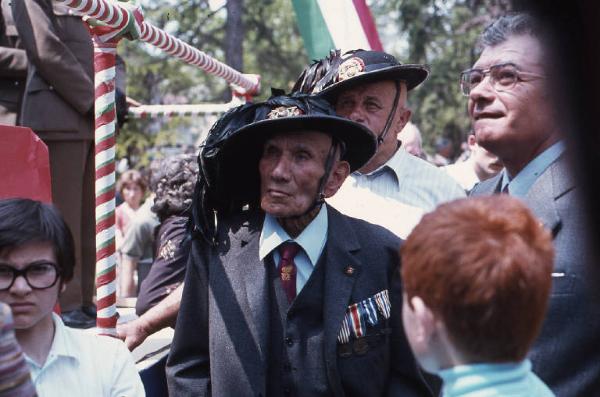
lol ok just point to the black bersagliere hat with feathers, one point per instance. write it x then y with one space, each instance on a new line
329 76
229 178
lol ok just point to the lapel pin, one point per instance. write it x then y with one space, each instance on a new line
349 270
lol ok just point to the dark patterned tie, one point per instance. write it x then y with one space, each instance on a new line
287 268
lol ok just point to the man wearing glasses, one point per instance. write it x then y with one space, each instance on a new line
37 258
514 116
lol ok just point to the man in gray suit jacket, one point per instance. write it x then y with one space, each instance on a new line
510 103
285 296
58 106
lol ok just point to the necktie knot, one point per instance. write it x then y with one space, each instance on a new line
289 250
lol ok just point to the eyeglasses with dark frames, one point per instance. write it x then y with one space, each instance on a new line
39 275
503 77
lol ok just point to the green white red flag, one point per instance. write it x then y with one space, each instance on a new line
330 24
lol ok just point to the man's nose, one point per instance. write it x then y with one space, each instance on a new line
281 170
356 114
481 95
483 90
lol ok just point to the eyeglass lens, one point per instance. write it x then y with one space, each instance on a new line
38 275
501 77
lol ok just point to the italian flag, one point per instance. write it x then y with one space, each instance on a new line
330 24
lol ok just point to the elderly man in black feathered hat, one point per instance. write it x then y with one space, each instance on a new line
285 296
371 87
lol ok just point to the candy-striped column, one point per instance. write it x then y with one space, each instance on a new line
105 123
119 18
148 111
177 48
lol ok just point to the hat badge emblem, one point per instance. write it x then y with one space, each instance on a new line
350 68
282 111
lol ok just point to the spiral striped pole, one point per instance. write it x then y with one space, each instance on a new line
126 20
105 124
148 111
118 17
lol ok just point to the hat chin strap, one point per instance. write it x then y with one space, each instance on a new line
320 197
390 117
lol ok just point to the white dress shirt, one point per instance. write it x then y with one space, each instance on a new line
82 364
312 241
464 173
396 194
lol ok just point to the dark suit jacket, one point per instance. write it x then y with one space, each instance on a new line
566 355
13 67
220 344
59 95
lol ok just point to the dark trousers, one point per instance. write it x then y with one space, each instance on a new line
72 172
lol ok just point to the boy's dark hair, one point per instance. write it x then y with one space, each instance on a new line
24 220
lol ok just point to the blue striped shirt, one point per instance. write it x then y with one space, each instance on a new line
409 180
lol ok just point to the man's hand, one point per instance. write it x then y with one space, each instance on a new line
133 333
163 315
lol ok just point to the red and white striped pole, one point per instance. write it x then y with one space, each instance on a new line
120 18
105 140
126 21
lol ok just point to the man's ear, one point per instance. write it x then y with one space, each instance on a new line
339 173
63 287
471 140
424 324
402 117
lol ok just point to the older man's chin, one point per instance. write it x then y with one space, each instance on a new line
278 209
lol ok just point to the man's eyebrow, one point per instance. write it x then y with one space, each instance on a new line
372 98
303 146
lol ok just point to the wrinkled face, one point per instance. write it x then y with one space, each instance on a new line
30 307
132 194
290 169
518 123
370 105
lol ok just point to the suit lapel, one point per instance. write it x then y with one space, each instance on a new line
252 285
341 269
554 182
487 187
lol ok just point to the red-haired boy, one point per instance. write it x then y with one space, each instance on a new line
477 276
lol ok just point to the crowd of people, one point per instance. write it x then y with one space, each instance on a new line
312 248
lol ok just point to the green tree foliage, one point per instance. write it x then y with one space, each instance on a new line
272 48
442 34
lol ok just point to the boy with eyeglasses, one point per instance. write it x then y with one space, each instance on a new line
36 262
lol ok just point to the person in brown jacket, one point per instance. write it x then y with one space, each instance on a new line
58 106
13 67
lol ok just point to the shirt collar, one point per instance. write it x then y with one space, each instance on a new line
60 344
522 182
391 166
312 239
462 379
